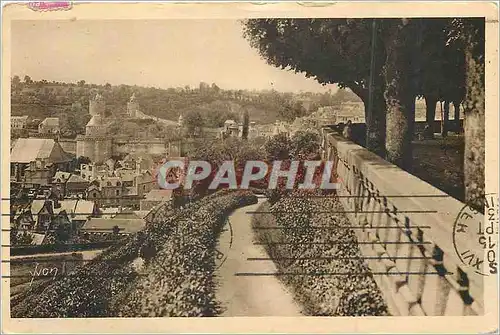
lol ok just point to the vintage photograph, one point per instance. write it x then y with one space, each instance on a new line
267 166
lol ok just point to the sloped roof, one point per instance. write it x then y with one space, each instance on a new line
76 179
23 118
51 121
126 174
159 195
82 208
31 149
96 120
130 191
62 176
106 225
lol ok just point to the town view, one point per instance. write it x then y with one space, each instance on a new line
396 104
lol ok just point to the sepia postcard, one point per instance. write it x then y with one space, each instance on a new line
250 167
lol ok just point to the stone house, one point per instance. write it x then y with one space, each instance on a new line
49 126
50 213
34 161
18 122
69 184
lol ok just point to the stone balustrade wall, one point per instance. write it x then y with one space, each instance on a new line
405 230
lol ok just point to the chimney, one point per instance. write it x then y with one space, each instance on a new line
138 166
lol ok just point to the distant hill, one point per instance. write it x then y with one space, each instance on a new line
41 99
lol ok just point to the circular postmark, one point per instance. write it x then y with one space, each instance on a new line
475 237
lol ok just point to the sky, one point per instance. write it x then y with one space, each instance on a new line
157 53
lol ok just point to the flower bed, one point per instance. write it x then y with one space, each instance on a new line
329 284
176 280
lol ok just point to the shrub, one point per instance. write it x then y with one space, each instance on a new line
178 246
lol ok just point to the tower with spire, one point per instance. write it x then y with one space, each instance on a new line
132 107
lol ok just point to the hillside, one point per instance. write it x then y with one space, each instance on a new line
69 101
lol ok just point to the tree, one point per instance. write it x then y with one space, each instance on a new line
401 88
81 83
16 81
27 80
193 122
278 147
331 51
304 145
62 233
471 34
246 124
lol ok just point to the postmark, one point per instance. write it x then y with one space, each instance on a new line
483 230
49 5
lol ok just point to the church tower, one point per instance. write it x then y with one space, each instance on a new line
132 107
96 127
97 105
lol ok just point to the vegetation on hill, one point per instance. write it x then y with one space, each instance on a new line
69 101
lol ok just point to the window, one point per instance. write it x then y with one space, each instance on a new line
118 183
109 183
94 195
144 187
117 192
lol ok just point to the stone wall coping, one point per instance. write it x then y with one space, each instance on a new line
391 180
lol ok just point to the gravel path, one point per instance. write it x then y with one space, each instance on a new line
249 295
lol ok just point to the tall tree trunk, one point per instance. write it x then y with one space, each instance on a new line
456 118
445 119
474 123
375 125
399 93
430 109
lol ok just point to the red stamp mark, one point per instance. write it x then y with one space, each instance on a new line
49 5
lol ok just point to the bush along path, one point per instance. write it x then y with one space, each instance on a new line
302 239
174 276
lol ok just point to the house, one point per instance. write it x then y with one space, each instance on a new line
156 197
49 213
144 183
69 184
230 129
92 171
281 127
34 161
18 122
124 223
49 126
126 188
111 189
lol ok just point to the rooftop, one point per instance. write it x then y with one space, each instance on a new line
31 149
51 121
24 117
127 226
77 209
159 195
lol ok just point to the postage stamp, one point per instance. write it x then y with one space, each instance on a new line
249 168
